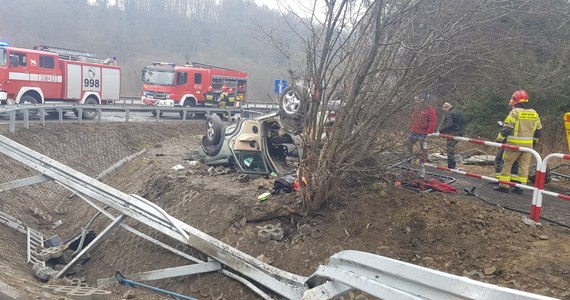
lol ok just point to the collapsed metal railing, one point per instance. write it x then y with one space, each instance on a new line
346 271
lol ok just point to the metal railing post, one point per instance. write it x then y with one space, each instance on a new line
12 126
42 117
26 116
540 180
537 194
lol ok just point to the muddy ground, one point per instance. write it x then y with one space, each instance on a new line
455 233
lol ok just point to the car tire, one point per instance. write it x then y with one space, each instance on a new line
214 126
292 103
211 149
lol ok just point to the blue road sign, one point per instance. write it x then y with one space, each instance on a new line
280 86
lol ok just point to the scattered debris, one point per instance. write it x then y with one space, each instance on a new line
244 178
218 170
56 224
479 160
263 196
178 168
283 184
490 270
191 155
529 222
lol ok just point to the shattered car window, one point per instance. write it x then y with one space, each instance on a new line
251 161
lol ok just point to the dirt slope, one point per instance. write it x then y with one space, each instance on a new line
453 233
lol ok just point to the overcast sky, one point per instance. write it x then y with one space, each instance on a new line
269 3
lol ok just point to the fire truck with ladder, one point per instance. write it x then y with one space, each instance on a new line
192 85
49 74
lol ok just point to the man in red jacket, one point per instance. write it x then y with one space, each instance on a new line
423 123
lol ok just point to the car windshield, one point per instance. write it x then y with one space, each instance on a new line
3 57
158 76
251 161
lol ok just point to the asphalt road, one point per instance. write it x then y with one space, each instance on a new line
553 209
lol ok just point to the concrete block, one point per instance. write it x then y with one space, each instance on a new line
270 232
101 295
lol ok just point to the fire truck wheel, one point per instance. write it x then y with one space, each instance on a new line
190 115
28 100
88 114
214 129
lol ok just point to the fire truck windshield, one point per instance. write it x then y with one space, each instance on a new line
158 76
2 57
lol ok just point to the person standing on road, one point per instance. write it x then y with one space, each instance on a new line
523 128
499 157
423 123
453 124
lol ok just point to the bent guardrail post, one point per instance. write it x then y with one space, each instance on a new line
537 189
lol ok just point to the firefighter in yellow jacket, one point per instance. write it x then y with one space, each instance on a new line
522 128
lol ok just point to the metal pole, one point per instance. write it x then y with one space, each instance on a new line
129 283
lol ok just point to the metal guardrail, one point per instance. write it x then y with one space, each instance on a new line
16 112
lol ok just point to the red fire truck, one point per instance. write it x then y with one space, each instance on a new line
50 75
192 85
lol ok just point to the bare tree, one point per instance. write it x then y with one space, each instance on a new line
374 56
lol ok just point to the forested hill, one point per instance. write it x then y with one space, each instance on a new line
224 33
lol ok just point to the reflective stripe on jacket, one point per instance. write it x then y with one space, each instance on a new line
524 123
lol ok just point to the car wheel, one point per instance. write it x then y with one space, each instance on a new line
292 102
213 129
211 149
28 100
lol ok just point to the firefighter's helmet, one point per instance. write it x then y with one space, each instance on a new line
519 96
231 91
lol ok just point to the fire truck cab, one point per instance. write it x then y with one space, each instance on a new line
192 85
50 74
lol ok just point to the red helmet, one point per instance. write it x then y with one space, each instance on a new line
231 91
519 97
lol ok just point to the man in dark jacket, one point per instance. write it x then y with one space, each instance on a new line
453 124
